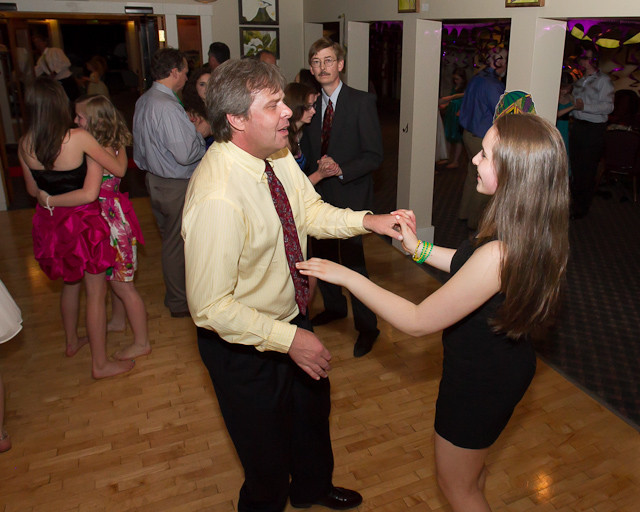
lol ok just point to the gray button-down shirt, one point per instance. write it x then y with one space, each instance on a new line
165 141
596 91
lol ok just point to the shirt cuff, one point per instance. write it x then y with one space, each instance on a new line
280 337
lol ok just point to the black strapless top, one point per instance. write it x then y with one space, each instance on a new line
59 182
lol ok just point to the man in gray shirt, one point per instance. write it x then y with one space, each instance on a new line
168 146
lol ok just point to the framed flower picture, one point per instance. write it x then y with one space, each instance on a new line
254 39
258 12
524 3
408 6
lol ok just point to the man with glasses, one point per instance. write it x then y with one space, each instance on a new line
344 142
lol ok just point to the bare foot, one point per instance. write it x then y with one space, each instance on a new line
72 350
132 351
112 368
116 326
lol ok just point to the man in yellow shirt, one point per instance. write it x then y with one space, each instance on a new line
248 209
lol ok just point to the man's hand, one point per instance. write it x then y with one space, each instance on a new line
327 166
579 104
388 224
308 352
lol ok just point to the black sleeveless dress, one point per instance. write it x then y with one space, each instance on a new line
69 241
484 374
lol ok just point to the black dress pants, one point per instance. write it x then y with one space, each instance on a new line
278 419
586 145
350 253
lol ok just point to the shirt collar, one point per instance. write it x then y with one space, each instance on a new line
251 164
333 97
163 88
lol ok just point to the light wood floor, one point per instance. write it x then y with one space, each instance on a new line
154 440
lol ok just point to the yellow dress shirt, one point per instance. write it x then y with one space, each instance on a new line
237 275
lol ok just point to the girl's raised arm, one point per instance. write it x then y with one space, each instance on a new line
116 166
474 284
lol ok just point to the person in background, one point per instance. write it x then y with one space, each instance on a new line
97 67
451 105
343 139
476 117
54 63
70 242
10 325
98 116
266 56
193 95
565 106
218 53
505 285
593 103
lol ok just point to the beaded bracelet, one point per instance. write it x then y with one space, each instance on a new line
50 208
418 250
426 252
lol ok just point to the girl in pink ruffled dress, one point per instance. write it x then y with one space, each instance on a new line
69 241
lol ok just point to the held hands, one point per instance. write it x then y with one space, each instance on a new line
308 352
390 224
328 167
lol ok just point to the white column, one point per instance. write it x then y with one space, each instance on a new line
418 110
358 55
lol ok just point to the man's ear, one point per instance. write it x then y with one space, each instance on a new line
340 66
236 122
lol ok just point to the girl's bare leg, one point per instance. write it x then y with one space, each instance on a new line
118 320
69 304
461 476
97 329
137 314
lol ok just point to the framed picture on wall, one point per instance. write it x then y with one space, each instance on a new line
258 12
408 6
254 39
523 3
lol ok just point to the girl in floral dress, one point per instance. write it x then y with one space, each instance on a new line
98 116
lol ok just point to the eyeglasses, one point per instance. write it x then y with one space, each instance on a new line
327 62
308 107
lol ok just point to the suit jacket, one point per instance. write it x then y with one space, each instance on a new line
355 144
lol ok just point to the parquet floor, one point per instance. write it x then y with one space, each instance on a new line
154 440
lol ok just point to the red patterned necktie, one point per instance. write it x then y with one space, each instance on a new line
291 240
326 128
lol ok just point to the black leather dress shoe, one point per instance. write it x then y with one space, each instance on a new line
327 316
365 342
180 314
338 498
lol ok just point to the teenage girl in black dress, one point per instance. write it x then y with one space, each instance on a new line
505 284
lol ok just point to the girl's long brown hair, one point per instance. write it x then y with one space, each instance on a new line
105 122
49 119
529 214
295 96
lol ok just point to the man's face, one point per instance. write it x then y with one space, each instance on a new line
326 68
265 129
213 62
181 76
499 62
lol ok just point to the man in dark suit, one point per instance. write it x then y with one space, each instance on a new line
344 142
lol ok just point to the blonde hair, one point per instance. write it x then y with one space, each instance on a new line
529 214
105 122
